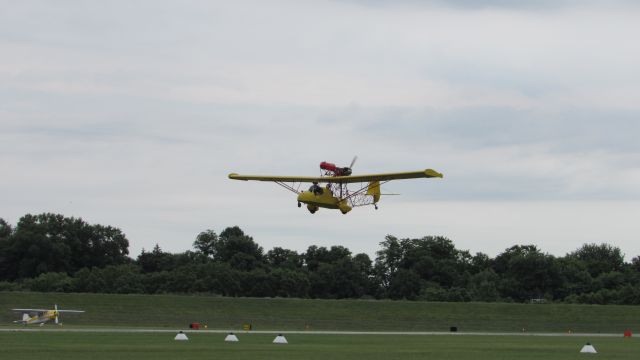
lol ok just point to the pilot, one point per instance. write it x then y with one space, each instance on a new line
316 189
329 188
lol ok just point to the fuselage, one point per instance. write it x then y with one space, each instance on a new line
39 318
322 197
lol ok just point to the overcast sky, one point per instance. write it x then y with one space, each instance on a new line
132 113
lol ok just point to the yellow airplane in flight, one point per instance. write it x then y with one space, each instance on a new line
336 194
42 316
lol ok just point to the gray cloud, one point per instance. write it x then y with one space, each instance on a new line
133 114
491 4
567 130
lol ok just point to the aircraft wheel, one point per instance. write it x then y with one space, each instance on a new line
375 206
299 204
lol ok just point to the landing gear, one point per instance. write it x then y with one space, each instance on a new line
312 208
375 206
299 204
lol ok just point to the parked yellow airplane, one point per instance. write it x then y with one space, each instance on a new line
336 194
41 316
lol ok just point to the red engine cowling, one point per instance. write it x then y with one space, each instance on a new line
337 171
329 167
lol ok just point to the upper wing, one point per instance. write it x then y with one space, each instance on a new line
428 173
45 310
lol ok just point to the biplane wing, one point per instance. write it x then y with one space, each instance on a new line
428 173
45 310
30 310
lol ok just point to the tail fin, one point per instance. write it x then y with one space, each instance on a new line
25 319
374 190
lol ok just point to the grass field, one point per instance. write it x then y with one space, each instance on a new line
175 311
141 346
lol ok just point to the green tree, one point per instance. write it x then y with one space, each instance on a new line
635 264
284 258
232 231
158 260
404 284
51 282
233 241
5 229
314 256
527 273
484 286
600 258
244 261
53 243
287 282
432 258
366 274
206 243
611 280
389 256
576 278
480 262
113 279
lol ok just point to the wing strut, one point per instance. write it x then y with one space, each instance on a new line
288 187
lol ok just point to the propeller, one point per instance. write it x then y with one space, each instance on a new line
353 161
347 170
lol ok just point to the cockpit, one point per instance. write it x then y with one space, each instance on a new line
316 189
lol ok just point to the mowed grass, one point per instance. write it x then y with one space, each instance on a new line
158 346
176 312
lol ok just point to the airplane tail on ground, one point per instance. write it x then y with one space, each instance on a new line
25 318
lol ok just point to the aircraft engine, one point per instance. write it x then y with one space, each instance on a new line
338 171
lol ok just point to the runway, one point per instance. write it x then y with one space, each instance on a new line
302 332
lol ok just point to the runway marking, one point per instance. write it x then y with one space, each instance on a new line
302 332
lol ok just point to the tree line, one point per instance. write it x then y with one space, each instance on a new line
53 253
